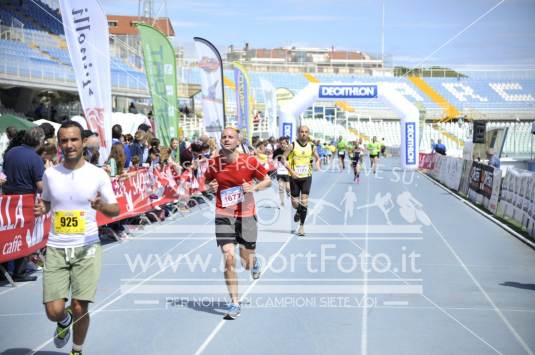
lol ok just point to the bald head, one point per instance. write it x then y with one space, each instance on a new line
302 133
229 138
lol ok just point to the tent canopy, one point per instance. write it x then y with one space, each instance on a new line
8 120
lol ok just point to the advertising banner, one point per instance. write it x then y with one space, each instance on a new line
160 68
86 34
20 233
213 96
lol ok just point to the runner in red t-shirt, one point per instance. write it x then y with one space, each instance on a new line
231 176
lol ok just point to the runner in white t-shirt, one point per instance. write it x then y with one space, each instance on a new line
73 192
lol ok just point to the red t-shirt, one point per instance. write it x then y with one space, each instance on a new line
231 201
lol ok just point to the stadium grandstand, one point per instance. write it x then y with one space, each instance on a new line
34 60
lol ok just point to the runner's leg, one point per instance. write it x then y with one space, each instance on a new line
231 280
81 320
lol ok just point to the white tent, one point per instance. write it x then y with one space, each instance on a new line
128 121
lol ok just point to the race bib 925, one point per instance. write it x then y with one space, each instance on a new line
69 222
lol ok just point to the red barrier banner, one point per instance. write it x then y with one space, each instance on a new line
139 192
427 161
20 233
142 191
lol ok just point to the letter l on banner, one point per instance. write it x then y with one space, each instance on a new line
86 32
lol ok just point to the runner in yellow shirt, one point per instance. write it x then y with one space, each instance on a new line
299 159
341 148
374 149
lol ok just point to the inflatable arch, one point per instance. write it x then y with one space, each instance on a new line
409 114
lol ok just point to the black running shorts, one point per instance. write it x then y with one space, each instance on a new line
355 160
236 230
300 186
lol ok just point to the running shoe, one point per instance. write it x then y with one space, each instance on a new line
301 231
233 311
76 352
62 333
257 269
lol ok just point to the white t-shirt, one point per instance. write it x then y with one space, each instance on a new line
281 168
70 191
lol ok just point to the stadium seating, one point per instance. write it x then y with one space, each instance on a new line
37 52
487 93
46 61
34 14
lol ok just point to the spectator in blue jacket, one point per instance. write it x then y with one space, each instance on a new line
116 133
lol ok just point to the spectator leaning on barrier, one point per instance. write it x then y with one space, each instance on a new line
115 163
148 145
49 154
91 147
165 153
24 170
204 138
440 148
174 154
154 157
116 133
494 159
49 133
138 147
189 156
155 143
128 139
23 166
144 127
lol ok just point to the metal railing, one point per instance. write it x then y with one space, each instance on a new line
17 72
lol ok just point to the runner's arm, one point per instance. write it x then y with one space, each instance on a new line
105 200
209 177
107 209
317 158
285 161
263 184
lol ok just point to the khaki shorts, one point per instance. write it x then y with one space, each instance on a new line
72 269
